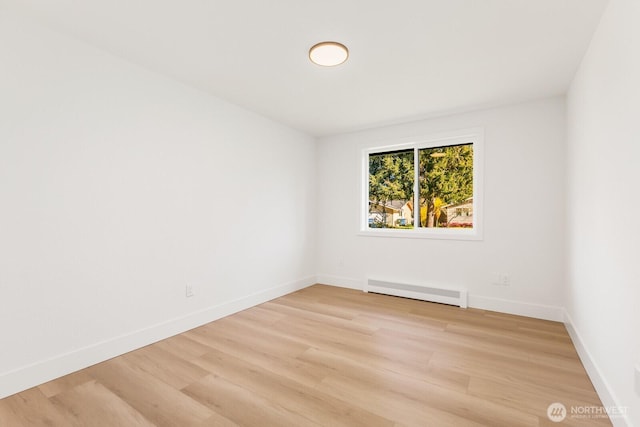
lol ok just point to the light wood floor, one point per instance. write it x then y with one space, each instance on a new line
330 357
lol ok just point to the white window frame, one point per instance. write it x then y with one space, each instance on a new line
474 136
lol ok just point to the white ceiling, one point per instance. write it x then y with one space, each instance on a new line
409 59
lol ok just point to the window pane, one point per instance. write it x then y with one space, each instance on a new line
446 186
391 177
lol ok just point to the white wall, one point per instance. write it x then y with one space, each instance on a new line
524 226
117 188
603 205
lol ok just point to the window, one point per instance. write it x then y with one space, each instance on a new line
429 187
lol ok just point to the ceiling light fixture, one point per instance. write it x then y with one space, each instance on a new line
328 54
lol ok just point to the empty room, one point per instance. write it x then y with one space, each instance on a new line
336 213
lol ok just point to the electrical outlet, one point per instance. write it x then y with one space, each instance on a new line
637 376
188 291
505 280
501 279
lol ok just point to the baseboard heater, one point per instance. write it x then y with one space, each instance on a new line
439 294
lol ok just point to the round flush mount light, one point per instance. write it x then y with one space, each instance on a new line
328 54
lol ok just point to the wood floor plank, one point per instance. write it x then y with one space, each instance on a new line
312 305
157 401
262 314
260 337
514 371
91 404
526 398
280 364
453 400
288 312
31 408
316 407
67 382
242 406
417 326
183 346
347 366
370 348
326 356
552 345
404 411
172 369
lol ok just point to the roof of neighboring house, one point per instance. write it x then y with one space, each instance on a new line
454 205
395 205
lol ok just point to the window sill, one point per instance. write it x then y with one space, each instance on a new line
439 234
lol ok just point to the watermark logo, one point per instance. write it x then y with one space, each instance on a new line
557 412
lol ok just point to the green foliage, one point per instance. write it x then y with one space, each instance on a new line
391 176
446 175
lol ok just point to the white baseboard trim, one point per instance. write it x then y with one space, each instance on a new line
538 311
341 282
46 370
519 308
606 394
